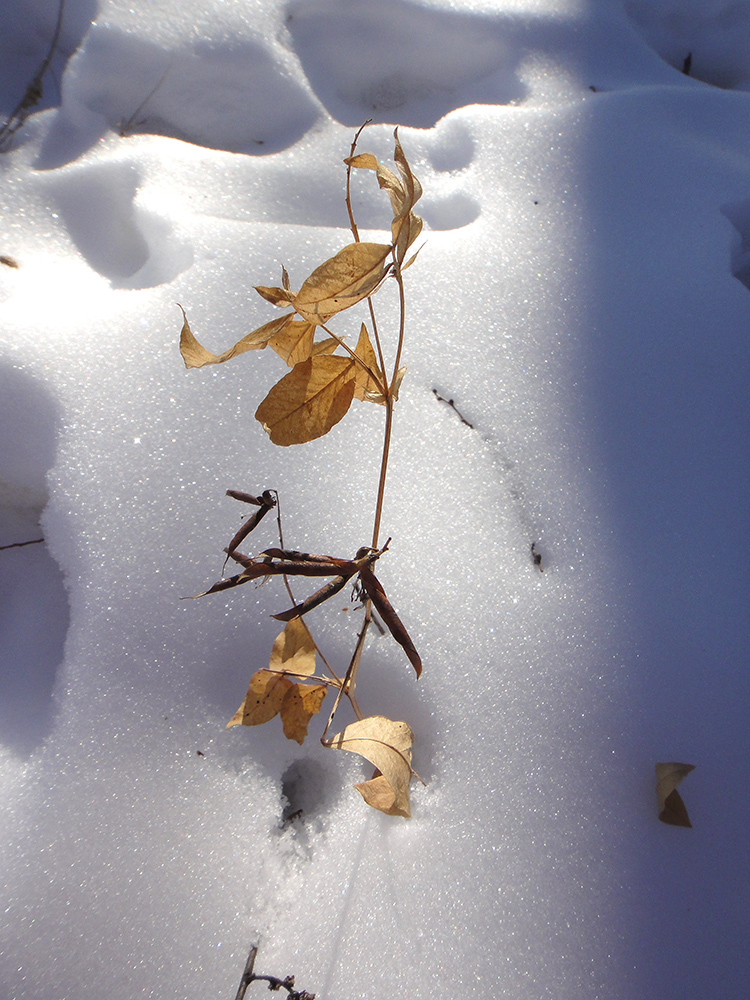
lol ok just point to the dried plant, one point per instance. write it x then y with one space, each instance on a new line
326 375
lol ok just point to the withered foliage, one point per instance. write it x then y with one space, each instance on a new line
325 375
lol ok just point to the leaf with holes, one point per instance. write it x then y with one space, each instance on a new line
301 703
387 745
263 700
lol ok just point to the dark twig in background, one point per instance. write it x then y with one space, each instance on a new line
34 91
449 402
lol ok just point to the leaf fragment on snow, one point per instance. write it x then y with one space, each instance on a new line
293 650
196 356
307 402
387 745
671 807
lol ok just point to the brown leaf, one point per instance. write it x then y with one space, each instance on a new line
196 356
353 274
308 401
671 807
275 295
301 703
366 386
295 342
387 745
293 650
263 700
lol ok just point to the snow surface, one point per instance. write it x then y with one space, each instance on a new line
583 296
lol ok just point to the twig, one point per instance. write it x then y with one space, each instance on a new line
35 90
274 983
453 406
19 545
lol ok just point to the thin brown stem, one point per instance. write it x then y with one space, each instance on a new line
352 223
336 679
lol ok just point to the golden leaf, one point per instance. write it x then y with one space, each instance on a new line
353 274
671 807
294 343
404 192
301 703
366 386
196 356
308 401
263 699
387 745
293 650
275 295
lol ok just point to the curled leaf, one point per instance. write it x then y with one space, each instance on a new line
387 745
353 274
301 703
293 650
308 401
275 295
671 807
196 356
263 700
404 191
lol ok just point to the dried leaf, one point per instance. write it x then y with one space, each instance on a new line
353 274
295 342
308 401
378 793
196 356
293 650
263 700
671 807
378 397
366 386
404 192
275 295
387 745
301 703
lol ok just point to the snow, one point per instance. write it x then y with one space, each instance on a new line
582 296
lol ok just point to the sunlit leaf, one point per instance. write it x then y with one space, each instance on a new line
293 650
308 401
196 356
301 703
353 274
263 699
275 295
404 191
671 807
366 386
387 745
294 343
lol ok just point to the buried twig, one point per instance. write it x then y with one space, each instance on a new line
34 91
274 983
